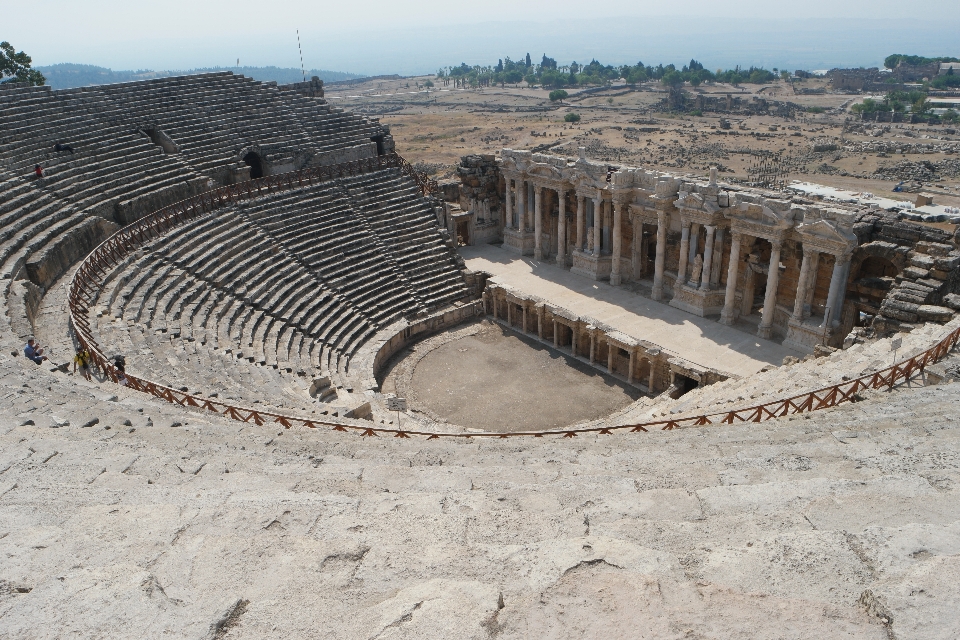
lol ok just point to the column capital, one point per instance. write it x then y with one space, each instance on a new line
685 223
844 257
777 243
809 252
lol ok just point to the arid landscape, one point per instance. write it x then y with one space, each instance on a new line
628 124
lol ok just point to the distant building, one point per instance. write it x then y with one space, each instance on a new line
946 66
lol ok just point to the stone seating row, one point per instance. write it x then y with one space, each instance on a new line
406 225
246 301
209 117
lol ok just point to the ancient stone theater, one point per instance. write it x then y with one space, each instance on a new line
291 387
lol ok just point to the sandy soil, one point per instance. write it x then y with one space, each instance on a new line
497 380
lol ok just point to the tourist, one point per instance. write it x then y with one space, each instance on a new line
34 352
82 360
38 171
62 147
120 363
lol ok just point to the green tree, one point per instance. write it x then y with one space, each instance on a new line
572 117
15 67
672 78
558 94
428 84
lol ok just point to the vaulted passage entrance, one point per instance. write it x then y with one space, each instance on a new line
256 166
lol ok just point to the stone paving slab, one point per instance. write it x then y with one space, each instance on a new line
700 340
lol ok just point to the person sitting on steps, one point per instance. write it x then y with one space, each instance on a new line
38 171
34 352
62 147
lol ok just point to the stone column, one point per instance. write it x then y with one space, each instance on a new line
707 259
537 222
633 356
684 251
508 194
694 244
523 311
610 351
836 295
733 271
597 226
650 382
812 289
562 229
593 347
617 241
521 206
556 340
581 215
607 241
718 263
661 256
842 295
803 284
573 340
770 299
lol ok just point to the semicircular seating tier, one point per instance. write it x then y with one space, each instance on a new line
291 284
139 146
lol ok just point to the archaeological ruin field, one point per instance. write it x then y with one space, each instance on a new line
397 358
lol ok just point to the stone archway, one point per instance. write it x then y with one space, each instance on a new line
253 160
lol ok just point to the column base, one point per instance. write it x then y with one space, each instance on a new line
765 332
518 241
804 336
591 266
657 293
696 301
728 318
538 254
615 279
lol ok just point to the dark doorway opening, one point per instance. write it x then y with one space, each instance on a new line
380 147
877 267
463 233
256 166
682 384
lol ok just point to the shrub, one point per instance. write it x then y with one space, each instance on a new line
572 117
558 94
815 109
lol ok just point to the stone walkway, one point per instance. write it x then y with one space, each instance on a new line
700 340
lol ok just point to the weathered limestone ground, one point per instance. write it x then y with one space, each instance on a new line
840 524
493 379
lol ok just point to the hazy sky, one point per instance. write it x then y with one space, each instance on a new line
374 36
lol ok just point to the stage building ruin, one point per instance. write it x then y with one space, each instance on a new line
804 271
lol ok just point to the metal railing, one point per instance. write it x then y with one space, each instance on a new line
87 283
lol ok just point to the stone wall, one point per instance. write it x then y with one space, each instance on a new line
480 188
641 363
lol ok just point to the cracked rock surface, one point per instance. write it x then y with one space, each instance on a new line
160 522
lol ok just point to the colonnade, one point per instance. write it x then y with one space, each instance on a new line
598 232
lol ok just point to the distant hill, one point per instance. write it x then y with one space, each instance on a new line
67 75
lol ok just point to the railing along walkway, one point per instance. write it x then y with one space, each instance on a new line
87 282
